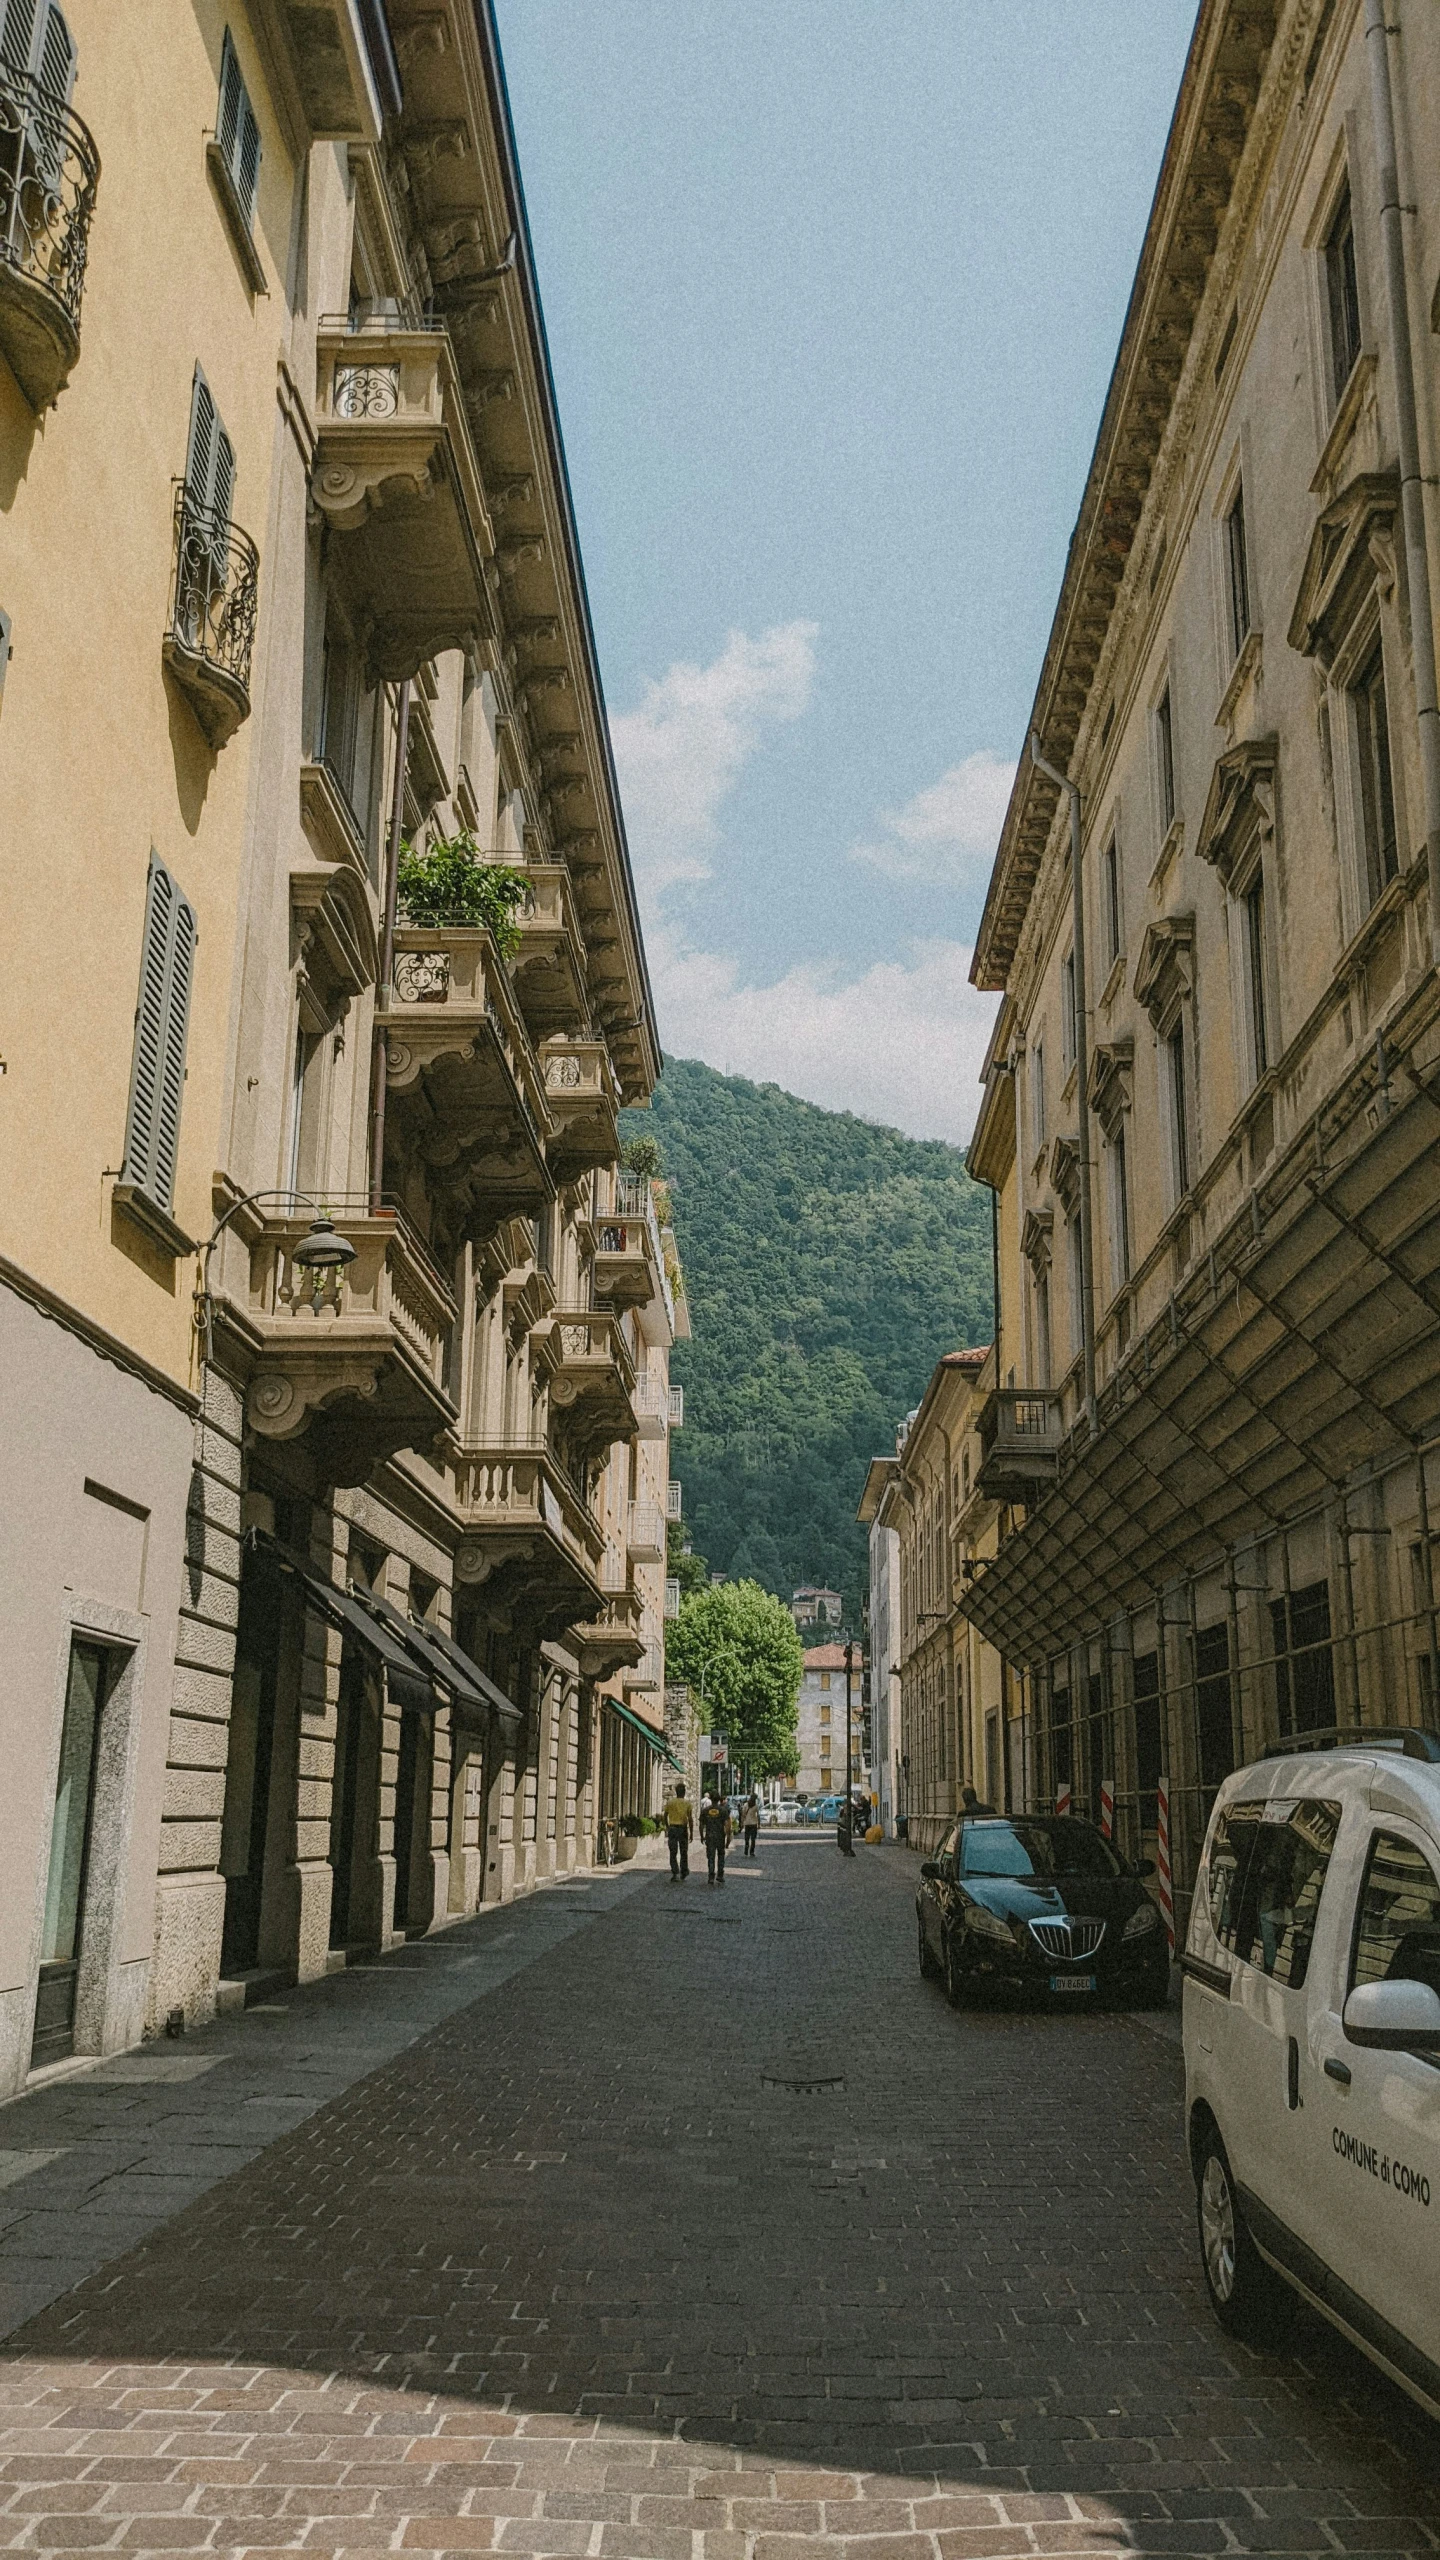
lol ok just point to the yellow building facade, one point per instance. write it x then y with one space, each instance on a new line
1210 1100
324 1305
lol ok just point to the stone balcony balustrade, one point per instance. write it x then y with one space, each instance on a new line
654 1404
395 476
584 1102
615 1638
354 1358
646 1539
549 967
49 171
467 1091
586 1363
528 1534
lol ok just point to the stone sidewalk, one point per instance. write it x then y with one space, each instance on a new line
710 2233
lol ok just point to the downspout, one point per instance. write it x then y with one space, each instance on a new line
1082 1077
1412 486
387 950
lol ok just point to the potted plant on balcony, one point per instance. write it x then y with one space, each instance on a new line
448 882
633 1828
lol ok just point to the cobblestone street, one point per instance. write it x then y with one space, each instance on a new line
705 2232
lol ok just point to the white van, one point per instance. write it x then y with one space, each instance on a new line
1312 2047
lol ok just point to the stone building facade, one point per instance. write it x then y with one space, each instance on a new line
1211 1106
335 1361
820 1722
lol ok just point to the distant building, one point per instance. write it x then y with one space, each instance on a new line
879 1509
811 1606
821 1720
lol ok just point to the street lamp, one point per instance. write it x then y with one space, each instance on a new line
320 1249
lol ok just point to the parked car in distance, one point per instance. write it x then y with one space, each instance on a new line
1039 1906
1312 2047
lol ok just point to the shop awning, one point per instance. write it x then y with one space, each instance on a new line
410 1680
471 1688
646 1731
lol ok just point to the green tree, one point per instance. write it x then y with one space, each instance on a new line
738 1646
681 1562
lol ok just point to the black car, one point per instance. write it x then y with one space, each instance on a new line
1038 1903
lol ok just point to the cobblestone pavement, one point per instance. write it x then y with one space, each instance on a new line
710 2234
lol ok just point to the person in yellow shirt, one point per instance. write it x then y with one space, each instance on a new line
679 1830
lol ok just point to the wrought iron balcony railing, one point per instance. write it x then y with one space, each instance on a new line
212 616
49 171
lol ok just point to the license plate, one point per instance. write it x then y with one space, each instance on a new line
1072 1981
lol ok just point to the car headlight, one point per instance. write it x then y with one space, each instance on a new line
1142 1921
987 1924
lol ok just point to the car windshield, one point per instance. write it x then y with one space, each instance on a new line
1058 1848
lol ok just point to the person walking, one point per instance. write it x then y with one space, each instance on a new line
715 1831
750 1822
679 1830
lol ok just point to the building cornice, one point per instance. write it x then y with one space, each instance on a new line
1209 134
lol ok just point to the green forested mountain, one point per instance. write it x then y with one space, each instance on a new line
828 1263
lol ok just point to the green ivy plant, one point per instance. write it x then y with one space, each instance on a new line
449 882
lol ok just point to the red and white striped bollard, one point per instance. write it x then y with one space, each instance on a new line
1107 1808
1162 1858
1062 1796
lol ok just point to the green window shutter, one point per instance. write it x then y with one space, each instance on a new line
162 1016
237 131
200 455
17 35
55 62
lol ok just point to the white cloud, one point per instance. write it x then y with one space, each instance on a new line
948 831
902 1043
681 751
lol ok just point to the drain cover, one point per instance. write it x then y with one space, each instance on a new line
802 2088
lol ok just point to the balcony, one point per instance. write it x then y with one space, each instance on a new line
672 1596
549 967
645 1543
395 477
353 1359
49 171
648 1672
615 1639
465 1085
624 1273
583 1101
591 1376
529 1536
1020 1436
655 1406
674 1500
211 633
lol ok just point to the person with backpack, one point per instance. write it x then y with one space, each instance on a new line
715 1831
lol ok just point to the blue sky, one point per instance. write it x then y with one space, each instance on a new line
833 292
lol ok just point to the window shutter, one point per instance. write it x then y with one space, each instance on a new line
223 481
238 132
55 67
17 35
157 1075
200 457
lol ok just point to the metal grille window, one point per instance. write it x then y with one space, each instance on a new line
1238 569
1304 1670
237 133
1343 294
157 1074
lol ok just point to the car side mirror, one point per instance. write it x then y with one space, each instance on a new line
1398 2017
1143 1867
930 1868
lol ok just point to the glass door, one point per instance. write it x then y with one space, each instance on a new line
93 1669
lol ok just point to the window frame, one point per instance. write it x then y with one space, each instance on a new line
1111 903
1239 595
1374 765
1177 1047
1164 720
1346 345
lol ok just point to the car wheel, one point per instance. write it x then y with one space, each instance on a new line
1246 2296
928 1966
956 1984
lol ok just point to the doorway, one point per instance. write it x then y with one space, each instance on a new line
353 1800
94 1669
412 1820
246 1820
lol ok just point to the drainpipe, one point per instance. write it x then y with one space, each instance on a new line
387 950
1082 1077
1412 486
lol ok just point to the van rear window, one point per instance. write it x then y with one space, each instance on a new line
1268 1864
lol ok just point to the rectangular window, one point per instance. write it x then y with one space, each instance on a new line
1377 795
1110 901
1304 1671
1067 1009
1255 974
1343 294
238 134
1120 1185
92 1674
824 1679
340 708
1398 1938
157 1073
1037 1097
1179 1109
1042 1327
1238 569
1268 1866
1149 1748
1213 1714
1165 757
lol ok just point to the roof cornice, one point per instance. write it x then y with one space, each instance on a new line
1219 88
